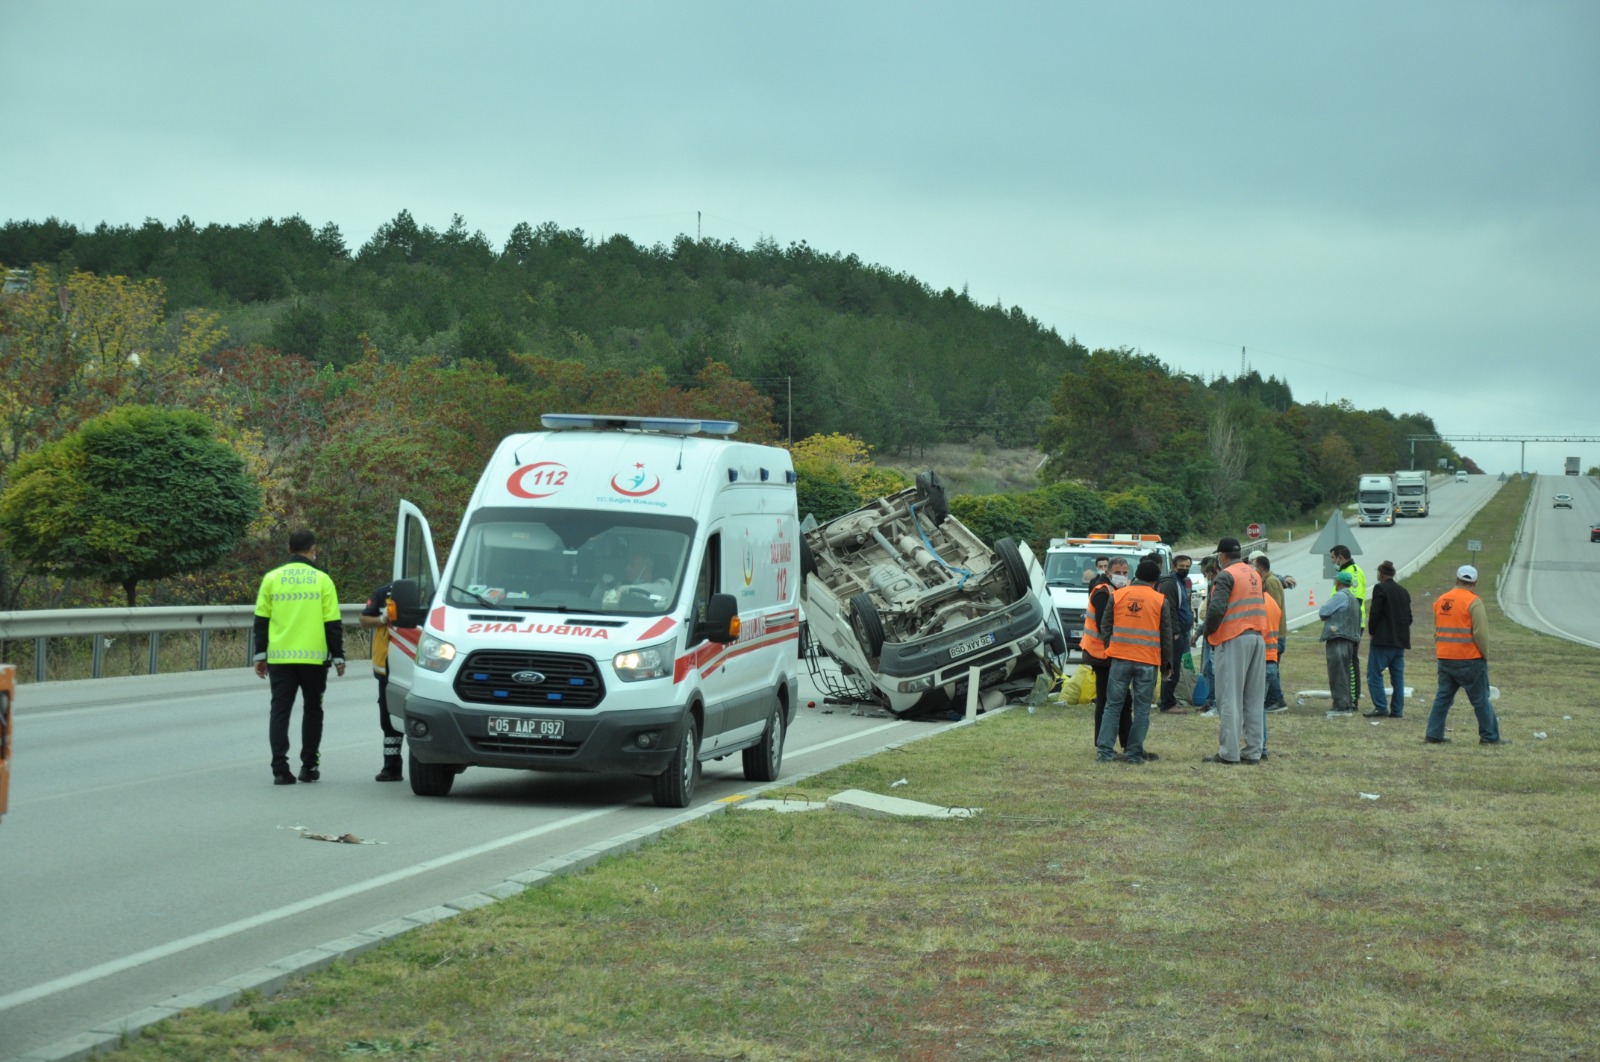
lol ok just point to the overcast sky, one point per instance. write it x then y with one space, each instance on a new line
1395 203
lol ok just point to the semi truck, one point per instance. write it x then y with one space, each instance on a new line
1572 466
1411 492
1375 500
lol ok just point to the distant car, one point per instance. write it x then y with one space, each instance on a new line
1594 533
1461 477
1563 501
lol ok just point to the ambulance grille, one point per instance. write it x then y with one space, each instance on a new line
568 680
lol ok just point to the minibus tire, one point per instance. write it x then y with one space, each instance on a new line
1016 569
431 779
674 787
867 625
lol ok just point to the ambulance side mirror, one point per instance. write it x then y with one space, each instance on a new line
405 607
722 619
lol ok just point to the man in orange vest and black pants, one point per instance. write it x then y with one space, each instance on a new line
1093 645
1139 636
1461 642
1236 630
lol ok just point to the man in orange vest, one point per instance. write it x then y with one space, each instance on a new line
1093 643
1138 632
1461 642
1236 630
1275 630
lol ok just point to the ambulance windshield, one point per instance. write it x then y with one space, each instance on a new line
570 560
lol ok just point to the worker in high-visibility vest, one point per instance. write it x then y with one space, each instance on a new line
1236 630
1102 585
298 637
1461 643
1343 562
1138 632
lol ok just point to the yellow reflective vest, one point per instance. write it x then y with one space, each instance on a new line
298 601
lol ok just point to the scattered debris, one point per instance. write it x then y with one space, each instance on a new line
343 838
1540 734
1369 796
900 782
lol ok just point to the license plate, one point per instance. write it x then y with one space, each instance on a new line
971 645
519 727
1078 635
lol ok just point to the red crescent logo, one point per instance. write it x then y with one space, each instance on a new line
550 474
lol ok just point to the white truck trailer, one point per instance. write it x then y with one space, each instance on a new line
1375 500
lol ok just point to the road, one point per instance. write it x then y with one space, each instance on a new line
1410 543
146 853
1554 585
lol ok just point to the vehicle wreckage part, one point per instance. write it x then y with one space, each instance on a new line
1016 570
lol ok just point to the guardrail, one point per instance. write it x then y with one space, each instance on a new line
103 623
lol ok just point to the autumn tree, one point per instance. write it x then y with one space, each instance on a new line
136 494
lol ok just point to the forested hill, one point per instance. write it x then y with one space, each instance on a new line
474 339
842 345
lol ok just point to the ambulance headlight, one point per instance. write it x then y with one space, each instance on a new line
916 685
653 661
434 654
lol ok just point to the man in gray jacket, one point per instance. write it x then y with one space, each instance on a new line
1341 634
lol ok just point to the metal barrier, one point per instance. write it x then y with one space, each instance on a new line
103 623
8 690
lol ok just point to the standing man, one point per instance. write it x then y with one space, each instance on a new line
1341 633
1461 642
1236 628
1138 632
375 617
1174 587
1389 623
1358 587
1094 648
1208 572
1273 586
298 635
1274 648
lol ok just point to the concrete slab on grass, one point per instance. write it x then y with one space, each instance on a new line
875 805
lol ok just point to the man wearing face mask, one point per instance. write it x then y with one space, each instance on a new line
1094 646
1138 632
1174 586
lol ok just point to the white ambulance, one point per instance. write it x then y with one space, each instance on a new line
621 597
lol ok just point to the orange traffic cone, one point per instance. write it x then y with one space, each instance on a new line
1311 599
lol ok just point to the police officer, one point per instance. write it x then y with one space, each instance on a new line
298 634
375 617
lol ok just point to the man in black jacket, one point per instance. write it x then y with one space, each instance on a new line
1389 623
1174 586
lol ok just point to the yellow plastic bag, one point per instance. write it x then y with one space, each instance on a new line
1079 688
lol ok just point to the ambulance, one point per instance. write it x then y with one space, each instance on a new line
621 597
1069 564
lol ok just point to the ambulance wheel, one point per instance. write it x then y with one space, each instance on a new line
674 787
1017 571
764 759
431 779
867 626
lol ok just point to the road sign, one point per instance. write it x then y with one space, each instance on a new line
1335 533
1473 545
1254 531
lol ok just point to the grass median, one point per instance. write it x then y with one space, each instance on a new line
1175 910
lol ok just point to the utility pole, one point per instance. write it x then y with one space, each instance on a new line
697 226
1241 363
788 386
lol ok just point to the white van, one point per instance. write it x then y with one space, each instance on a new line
621 597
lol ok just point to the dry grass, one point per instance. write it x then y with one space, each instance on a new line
1177 910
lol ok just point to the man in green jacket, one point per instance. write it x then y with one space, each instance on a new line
298 635
1346 565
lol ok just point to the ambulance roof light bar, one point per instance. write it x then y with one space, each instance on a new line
659 425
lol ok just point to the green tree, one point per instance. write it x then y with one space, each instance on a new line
139 493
